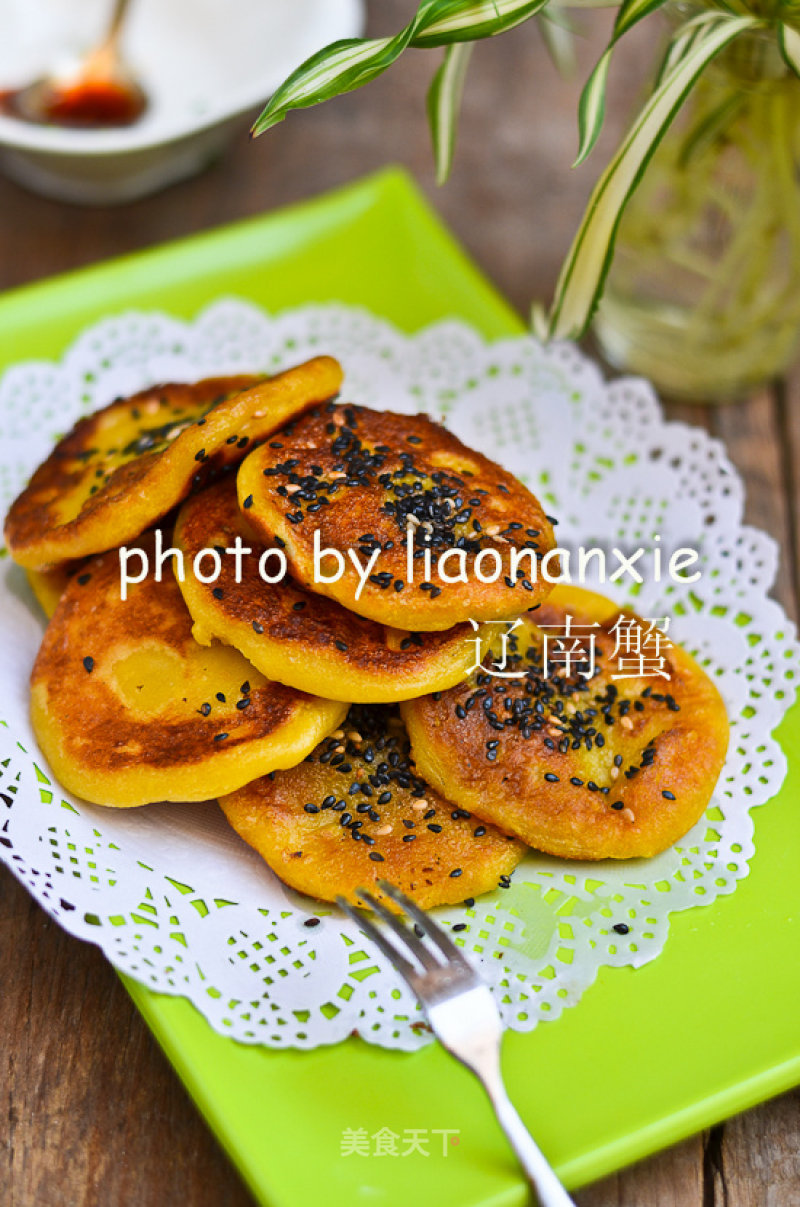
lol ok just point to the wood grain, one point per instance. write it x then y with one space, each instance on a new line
92 1114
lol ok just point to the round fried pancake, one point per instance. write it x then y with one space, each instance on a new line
129 709
363 481
50 583
356 812
597 768
123 468
299 638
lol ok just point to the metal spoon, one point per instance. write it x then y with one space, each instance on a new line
99 91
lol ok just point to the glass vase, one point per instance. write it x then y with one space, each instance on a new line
703 296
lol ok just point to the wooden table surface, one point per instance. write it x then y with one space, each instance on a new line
91 1111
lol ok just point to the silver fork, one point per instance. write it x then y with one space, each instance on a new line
462 1014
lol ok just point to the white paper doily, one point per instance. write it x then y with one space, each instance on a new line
171 894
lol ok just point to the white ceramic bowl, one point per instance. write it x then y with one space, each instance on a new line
203 63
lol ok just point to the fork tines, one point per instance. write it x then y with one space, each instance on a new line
404 933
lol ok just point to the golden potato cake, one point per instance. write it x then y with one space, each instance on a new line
50 583
356 812
375 485
294 636
598 767
123 468
129 709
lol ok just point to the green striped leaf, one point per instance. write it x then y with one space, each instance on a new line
592 105
470 20
681 44
444 102
789 42
339 68
583 274
704 134
346 65
631 12
558 37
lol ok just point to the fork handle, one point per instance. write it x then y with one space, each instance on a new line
549 1190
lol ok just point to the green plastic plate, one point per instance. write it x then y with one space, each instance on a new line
647 1057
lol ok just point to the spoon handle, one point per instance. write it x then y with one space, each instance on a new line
117 17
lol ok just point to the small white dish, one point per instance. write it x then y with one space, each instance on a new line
203 64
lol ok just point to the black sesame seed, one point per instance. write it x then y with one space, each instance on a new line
217 592
88 664
376 856
83 579
309 808
309 922
617 805
248 503
258 628
221 697
460 926
550 777
668 795
621 928
435 828
456 872
220 737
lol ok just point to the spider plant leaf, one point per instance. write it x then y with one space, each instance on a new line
346 65
592 105
558 37
631 12
583 274
703 135
789 43
471 20
338 68
540 322
444 103
680 45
